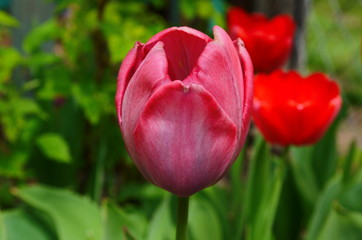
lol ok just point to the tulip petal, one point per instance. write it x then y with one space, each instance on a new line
219 72
289 109
270 122
248 78
151 74
268 41
129 66
324 103
310 104
183 46
184 140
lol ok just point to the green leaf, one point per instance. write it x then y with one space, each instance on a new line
286 225
351 198
94 102
37 60
220 198
236 172
322 208
12 165
119 224
14 115
348 161
41 34
7 20
268 209
146 192
264 185
13 58
204 222
313 166
258 176
19 224
27 106
303 173
162 225
121 29
325 155
342 225
54 147
74 217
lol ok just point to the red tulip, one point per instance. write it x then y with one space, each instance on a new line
289 109
183 102
268 42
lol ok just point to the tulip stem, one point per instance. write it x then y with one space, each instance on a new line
182 215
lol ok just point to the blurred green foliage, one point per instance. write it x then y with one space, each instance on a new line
334 43
65 173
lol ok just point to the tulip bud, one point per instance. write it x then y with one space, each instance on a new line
183 102
289 109
268 41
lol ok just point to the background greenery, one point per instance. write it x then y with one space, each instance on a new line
64 171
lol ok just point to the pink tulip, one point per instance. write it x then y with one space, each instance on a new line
183 103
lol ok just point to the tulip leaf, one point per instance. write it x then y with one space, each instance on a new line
204 222
286 224
303 173
258 171
314 165
325 155
74 217
323 206
19 224
351 198
268 210
348 161
236 172
147 192
264 185
342 225
219 198
162 223
119 225
54 147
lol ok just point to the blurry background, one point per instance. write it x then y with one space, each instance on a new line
58 67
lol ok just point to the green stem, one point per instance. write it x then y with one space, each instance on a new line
182 215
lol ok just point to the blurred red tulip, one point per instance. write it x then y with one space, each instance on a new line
268 42
183 103
289 109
